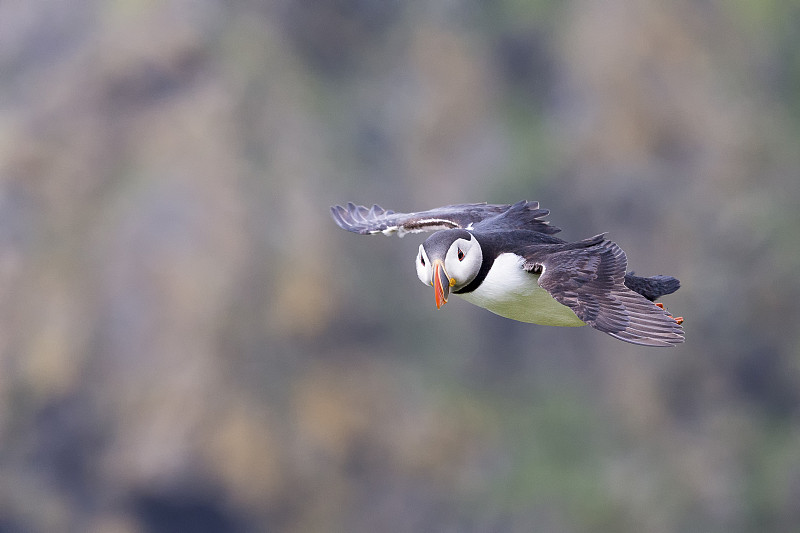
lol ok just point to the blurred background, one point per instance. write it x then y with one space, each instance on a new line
189 343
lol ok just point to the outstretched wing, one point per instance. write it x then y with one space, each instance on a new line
589 277
366 221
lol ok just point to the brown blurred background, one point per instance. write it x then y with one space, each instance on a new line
188 343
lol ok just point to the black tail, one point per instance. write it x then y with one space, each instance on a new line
652 287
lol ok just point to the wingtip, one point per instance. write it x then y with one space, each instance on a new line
667 341
336 211
344 217
353 218
648 324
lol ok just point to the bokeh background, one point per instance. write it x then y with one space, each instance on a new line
188 342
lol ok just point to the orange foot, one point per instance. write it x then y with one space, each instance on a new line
678 319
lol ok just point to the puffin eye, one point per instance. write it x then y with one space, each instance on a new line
422 260
460 255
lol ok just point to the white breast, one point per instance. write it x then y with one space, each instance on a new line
509 291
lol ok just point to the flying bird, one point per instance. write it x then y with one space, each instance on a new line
505 258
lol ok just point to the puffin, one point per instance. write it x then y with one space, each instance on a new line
506 259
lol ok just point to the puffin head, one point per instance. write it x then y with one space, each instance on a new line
448 258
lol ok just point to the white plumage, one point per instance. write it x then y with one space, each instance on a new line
510 291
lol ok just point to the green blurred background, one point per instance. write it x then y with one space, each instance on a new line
189 343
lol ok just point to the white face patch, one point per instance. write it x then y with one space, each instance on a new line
424 272
463 261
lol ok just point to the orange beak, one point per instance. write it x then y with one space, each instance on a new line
441 284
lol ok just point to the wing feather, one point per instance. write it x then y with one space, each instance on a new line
589 277
489 217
